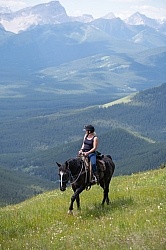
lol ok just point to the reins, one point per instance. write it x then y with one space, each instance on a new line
78 174
84 165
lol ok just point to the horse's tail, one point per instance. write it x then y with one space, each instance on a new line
109 156
110 165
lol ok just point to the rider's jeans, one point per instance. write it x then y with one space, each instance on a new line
92 158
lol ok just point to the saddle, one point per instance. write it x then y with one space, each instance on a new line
101 161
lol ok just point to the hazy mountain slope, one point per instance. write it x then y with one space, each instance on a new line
109 71
16 187
77 45
46 46
150 38
98 66
140 34
115 27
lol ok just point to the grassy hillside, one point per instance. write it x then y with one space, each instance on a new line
134 220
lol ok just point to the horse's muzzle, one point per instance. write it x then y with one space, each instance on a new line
62 189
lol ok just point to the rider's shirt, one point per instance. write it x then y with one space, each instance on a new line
88 144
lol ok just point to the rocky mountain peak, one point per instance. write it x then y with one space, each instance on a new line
48 13
140 19
109 16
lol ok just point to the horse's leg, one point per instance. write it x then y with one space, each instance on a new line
110 166
74 197
102 184
105 196
78 201
105 187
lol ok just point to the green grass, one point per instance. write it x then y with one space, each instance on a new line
134 220
125 99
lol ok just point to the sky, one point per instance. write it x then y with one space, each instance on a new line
98 8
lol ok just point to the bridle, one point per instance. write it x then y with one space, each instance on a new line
69 176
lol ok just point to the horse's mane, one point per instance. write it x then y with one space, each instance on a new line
74 163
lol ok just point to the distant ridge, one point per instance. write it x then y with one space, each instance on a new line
53 13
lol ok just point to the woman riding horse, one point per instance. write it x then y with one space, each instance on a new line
89 146
75 171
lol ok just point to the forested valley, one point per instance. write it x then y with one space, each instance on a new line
132 131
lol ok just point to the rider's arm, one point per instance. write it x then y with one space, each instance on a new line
82 147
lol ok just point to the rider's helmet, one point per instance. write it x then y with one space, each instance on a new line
89 128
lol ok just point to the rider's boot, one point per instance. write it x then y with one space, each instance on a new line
95 178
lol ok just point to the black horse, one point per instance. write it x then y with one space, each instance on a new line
77 172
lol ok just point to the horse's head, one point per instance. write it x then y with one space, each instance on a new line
64 175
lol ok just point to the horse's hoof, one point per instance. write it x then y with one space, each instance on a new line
108 202
70 212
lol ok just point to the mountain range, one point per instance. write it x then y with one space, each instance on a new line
53 13
42 44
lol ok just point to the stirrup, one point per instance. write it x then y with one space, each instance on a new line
88 187
93 180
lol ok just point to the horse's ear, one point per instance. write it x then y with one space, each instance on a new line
66 163
58 164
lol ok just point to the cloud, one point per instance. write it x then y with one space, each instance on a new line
127 1
151 11
121 8
13 4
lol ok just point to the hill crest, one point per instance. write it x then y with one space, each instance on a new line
134 216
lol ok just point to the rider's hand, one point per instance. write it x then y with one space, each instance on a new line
86 153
